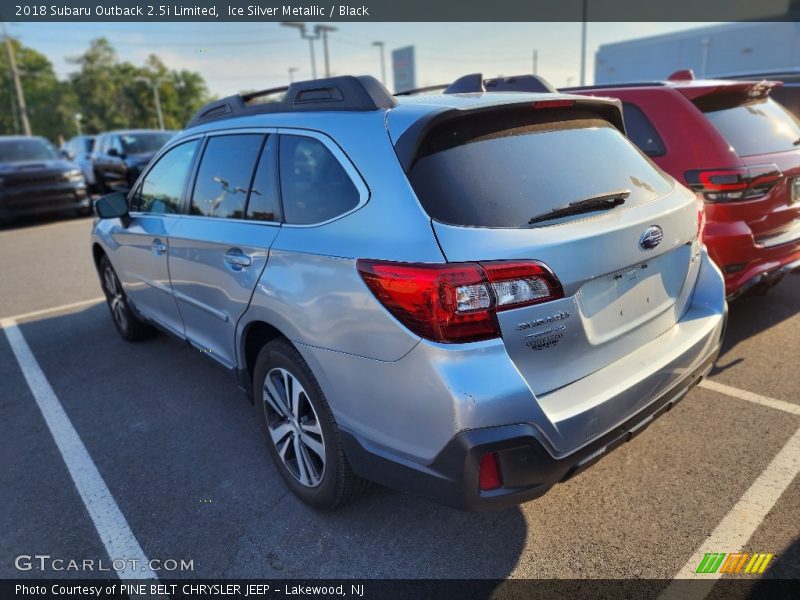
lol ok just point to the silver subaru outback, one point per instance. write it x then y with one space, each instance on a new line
469 295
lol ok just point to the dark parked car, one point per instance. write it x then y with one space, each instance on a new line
119 156
79 150
34 179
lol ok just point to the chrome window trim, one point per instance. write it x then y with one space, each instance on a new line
328 142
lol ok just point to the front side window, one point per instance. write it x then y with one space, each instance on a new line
114 144
223 179
162 188
314 185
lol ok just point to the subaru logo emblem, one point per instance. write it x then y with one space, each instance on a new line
651 237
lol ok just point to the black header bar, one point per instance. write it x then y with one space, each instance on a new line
399 10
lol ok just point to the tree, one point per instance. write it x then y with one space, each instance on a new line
50 102
99 88
114 94
108 93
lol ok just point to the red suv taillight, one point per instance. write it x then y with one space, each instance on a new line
731 185
457 302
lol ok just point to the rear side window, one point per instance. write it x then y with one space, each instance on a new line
162 188
223 179
314 185
641 131
758 127
501 170
263 202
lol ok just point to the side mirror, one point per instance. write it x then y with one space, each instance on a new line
113 206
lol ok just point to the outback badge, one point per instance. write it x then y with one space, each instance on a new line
651 237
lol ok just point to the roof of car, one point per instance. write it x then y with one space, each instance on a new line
16 138
134 131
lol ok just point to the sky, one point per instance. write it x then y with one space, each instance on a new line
245 56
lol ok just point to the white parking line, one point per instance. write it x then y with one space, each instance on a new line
750 397
116 535
741 522
47 311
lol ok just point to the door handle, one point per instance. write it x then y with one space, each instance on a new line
159 247
237 259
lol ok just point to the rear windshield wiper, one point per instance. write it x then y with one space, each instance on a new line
605 201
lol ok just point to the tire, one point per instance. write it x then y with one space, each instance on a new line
128 325
323 479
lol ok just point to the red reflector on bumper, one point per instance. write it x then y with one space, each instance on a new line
489 474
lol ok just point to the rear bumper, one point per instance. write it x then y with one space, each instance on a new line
420 424
747 263
528 468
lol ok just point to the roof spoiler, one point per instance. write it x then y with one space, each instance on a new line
364 93
409 142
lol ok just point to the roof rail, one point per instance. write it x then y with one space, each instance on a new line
422 90
520 83
610 86
466 84
345 93
517 83
475 82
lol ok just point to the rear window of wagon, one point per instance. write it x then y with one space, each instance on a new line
499 170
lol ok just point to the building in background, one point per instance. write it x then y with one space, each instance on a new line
710 51
404 70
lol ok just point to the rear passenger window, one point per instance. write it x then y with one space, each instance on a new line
641 131
223 179
162 188
263 202
314 185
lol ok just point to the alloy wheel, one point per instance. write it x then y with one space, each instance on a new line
294 427
115 298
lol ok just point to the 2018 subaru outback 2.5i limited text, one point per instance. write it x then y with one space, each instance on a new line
464 296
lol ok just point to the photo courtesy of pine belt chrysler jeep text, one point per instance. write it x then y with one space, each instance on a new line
469 296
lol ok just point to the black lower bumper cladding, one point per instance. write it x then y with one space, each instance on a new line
528 469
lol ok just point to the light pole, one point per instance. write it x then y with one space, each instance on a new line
12 65
583 41
78 117
323 31
705 43
306 36
381 45
154 83
535 62
292 71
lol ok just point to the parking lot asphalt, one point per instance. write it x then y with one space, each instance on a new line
179 449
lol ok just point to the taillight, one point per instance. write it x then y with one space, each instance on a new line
457 302
731 185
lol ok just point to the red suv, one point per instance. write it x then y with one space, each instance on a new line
740 151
